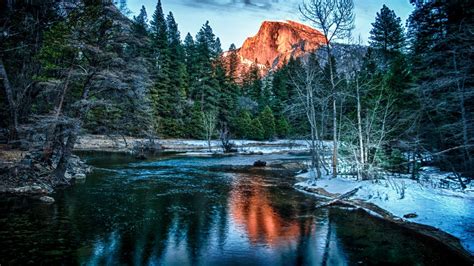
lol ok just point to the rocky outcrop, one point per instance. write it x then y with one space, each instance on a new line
277 42
33 177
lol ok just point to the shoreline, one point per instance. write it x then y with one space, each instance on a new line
372 209
195 147
123 144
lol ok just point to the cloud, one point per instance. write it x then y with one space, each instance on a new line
257 5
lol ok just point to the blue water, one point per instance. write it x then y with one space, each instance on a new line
176 210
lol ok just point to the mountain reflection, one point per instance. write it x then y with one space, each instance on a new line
251 207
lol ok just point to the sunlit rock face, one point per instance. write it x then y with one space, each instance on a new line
276 42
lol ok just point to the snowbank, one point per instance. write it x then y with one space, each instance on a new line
126 144
448 210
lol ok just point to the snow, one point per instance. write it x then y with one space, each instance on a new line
198 147
448 210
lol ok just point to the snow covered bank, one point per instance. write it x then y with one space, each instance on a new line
126 144
448 210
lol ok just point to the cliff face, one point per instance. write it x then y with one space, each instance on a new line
277 41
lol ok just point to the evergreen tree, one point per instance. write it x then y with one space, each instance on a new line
252 83
168 93
441 56
280 85
268 123
282 128
387 33
256 130
204 84
140 23
232 63
191 62
194 122
160 96
178 73
243 125
140 29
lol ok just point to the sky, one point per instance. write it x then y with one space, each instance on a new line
235 20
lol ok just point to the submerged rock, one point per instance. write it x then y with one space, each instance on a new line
47 199
410 215
260 163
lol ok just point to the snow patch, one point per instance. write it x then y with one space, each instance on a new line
448 210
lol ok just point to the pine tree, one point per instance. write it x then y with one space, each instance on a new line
280 84
243 125
178 73
194 122
387 34
252 83
256 130
205 86
441 36
191 63
140 29
140 23
232 63
160 94
282 128
268 123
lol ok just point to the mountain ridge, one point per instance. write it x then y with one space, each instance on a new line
276 42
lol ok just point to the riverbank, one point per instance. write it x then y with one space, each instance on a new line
445 215
22 174
130 144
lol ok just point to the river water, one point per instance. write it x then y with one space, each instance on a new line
175 210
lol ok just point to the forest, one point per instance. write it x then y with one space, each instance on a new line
69 68
217 148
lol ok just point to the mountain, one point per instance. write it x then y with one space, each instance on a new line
278 41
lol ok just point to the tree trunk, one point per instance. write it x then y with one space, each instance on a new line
11 102
48 149
315 160
334 112
464 120
61 168
359 127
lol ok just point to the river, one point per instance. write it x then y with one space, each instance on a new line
180 210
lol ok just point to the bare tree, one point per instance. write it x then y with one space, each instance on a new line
310 97
209 123
226 144
336 20
9 91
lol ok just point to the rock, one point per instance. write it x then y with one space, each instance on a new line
29 189
47 199
80 176
410 215
140 157
259 163
277 42
294 166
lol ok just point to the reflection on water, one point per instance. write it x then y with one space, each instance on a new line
172 211
251 208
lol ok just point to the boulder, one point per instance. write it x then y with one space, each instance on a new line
259 163
47 199
410 215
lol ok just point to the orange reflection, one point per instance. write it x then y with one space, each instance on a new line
250 207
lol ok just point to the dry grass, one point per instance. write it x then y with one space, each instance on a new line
10 155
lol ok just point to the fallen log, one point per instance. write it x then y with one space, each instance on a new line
340 199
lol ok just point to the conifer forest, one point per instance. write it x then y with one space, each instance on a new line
326 138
